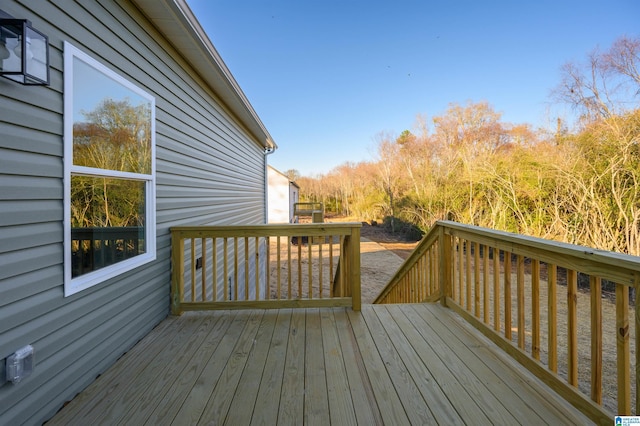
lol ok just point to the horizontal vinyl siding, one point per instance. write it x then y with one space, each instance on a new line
209 171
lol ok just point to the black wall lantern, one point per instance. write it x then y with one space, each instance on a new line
24 52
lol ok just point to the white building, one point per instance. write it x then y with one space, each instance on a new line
282 194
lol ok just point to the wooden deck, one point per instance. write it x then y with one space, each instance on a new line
389 364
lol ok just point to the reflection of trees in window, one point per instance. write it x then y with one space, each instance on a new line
115 136
106 202
108 212
107 221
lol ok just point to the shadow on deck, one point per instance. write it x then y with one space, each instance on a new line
389 364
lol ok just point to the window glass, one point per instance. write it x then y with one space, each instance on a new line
111 123
110 169
107 222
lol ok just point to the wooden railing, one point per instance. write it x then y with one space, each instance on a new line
265 266
96 247
567 320
307 209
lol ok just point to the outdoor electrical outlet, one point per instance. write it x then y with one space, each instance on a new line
20 364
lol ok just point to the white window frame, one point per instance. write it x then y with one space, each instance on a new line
90 279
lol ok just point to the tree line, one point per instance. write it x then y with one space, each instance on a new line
579 185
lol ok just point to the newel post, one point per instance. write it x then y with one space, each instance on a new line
446 280
354 270
177 272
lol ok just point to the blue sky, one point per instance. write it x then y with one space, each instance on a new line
328 77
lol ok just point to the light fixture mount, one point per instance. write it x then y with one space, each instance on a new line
24 52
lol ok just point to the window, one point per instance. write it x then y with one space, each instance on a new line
109 173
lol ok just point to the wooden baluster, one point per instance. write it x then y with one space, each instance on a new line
452 267
246 268
429 270
468 246
332 275
476 278
622 346
446 282
310 265
278 270
572 324
415 283
193 269
485 283
257 277
595 284
422 292
507 296
496 289
320 283
235 268
226 269
300 267
289 280
436 261
204 269
214 262
520 300
552 308
460 270
343 266
535 309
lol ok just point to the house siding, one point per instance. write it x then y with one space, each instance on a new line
209 171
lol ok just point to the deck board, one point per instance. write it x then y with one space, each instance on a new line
341 408
292 395
316 400
166 409
468 343
362 397
389 364
436 383
270 383
382 387
246 392
412 401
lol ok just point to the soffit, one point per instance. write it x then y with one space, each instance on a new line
175 20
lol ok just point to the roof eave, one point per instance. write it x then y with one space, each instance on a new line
175 20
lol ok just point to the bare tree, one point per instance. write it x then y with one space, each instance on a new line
608 84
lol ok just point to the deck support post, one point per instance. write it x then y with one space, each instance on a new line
354 269
446 281
177 272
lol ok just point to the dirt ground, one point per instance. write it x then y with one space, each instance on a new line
394 242
382 254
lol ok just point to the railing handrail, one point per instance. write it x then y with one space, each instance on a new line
307 208
266 230
583 257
